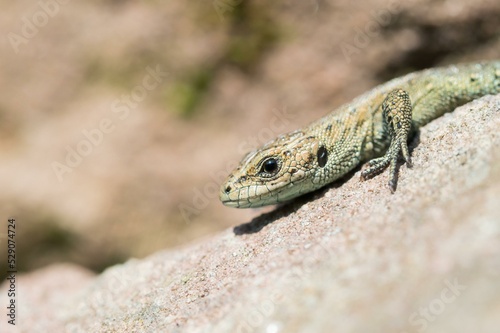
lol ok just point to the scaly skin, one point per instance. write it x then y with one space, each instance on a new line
377 123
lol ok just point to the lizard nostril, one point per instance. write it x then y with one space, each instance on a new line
228 189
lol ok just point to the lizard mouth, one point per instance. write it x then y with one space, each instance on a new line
232 195
232 198
226 201
233 204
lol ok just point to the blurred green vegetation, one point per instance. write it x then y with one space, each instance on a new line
251 33
186 96
120 74
50 242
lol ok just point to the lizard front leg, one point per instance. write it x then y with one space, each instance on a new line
397 116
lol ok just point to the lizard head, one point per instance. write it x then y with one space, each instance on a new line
280 170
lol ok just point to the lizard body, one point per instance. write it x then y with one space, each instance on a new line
374 127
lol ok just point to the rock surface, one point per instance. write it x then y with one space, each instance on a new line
350 258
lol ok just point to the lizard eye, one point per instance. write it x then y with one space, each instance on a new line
270 166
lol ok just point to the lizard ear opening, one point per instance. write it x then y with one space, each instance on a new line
322 156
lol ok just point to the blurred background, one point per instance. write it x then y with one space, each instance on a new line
120 119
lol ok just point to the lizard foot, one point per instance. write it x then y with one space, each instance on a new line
397 113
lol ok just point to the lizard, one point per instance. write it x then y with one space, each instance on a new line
375 128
